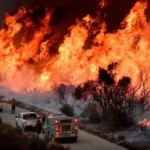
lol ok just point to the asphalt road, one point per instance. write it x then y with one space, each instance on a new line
85 141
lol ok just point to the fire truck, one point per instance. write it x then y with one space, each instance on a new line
57 127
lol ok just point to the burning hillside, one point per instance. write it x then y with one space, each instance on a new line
28 61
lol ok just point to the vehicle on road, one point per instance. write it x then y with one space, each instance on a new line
1 106
26 119
57 127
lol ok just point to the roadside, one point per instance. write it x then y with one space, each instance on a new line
86 141
15 138
83 126
118 138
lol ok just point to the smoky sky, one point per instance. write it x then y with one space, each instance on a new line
116 11
9 6
66 11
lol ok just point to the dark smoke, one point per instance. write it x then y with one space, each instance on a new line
67 11
10 6
148 12
116 11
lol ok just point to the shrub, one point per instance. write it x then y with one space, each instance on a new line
140 146
35 143
121 137
91 113
67 109
55 146
116 119
12 138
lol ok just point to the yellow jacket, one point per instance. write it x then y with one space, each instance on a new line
13 102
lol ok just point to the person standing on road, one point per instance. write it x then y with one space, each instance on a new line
13 106
43 118
1 120
38 126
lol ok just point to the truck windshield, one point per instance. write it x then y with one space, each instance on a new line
29 116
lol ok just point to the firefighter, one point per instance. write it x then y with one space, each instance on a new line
43 118
38 126
1 120
13 106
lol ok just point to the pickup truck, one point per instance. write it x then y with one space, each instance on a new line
26 119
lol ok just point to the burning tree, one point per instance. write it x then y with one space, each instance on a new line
143 92
112 97
106 91
61 93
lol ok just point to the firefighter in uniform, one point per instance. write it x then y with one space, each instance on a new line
13 106
38 126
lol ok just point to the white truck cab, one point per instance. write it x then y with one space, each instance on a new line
60 127
26 119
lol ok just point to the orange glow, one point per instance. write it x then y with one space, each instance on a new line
144 122
27 64
103 3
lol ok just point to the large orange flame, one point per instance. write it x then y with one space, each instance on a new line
129 46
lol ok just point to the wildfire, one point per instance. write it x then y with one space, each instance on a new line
103 3
26 63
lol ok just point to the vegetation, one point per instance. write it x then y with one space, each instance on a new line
12 138
91 113
115 99
67 110
62 92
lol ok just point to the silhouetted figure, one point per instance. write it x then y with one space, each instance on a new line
43 118
38 126
13 106
1 120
